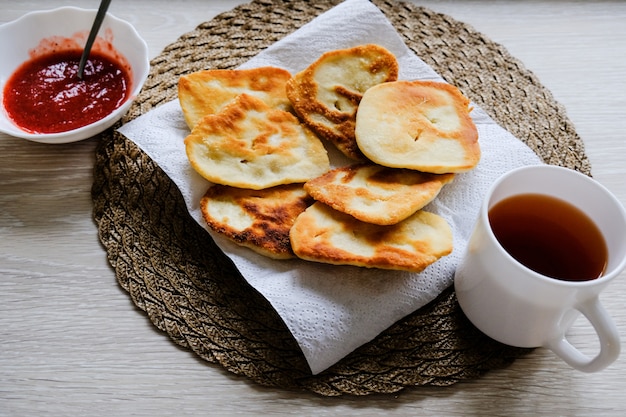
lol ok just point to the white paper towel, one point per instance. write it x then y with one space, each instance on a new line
331 310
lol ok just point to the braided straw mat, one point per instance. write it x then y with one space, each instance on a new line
173 271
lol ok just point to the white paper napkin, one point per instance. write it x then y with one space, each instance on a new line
331 310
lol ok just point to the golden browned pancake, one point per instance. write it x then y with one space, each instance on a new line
376 194
420 125
251 145
326 94
322 234
207 92
257 219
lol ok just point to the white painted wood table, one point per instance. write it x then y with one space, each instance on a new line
72 342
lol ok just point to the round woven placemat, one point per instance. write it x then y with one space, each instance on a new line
173 271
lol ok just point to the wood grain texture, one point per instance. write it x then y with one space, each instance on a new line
72 343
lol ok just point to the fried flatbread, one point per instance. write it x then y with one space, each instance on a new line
251 145
420 125
327 93
257 219
207 92
376 194
322 234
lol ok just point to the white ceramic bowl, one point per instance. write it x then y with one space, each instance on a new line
17 38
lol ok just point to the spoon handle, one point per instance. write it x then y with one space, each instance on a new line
102 10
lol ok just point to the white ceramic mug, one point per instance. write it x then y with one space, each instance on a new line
520 307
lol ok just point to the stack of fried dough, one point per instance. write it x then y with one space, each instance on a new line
260 136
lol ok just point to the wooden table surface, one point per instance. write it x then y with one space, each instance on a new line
72 342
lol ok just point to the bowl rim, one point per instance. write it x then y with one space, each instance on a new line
84 132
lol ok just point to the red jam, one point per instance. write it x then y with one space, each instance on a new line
45 95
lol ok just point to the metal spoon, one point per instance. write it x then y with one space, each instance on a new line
102 10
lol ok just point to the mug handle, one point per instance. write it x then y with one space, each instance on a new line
607 333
